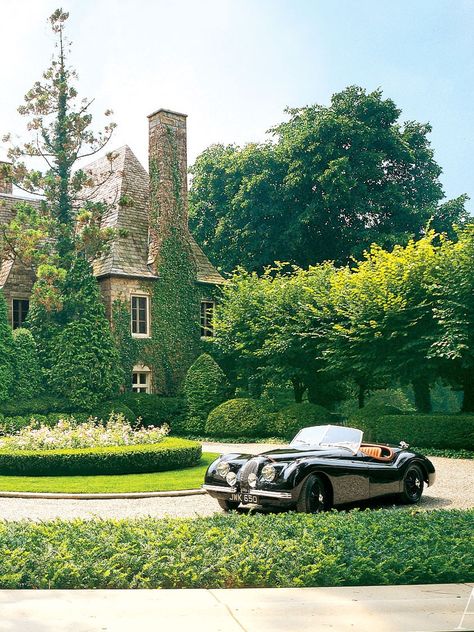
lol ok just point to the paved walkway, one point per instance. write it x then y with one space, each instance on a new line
453 489
425 608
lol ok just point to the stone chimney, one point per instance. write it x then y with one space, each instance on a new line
5 178
168 179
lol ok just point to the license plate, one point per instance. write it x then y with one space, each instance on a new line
246 499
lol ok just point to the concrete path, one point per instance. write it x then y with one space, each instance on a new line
425 608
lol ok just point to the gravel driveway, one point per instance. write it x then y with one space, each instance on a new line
453 489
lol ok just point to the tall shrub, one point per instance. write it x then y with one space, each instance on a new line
6 352
205 387
85 364
28 379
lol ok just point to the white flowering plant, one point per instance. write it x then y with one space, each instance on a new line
91 434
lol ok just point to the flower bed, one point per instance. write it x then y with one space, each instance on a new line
169 454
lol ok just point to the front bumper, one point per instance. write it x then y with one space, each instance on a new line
222 491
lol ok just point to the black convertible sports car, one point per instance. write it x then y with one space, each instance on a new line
322 467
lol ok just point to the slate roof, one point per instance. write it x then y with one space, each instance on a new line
125 188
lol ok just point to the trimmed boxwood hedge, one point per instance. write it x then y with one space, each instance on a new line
354 548
368 418
155 410
170 454
432 431
241 416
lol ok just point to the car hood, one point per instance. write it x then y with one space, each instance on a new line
291 454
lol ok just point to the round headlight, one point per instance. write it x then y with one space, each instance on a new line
223 469
268 473
252 480
231 478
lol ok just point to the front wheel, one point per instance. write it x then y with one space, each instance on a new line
314 496
227 505
413 485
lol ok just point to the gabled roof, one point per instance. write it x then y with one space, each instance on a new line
125 189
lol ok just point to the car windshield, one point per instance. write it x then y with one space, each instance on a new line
324 437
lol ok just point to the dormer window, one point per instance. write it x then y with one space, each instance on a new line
140 313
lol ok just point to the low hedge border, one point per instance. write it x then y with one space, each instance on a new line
170 454
354 548
440 431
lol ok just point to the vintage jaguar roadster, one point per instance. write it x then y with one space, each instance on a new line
324 466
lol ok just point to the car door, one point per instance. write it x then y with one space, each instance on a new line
384 477
350 480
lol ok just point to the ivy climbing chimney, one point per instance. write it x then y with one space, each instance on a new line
168 179
5 178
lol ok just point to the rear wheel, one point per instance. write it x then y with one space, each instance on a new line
227 505
314 496
413 485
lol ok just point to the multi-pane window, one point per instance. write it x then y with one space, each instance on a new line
141 381
19 312
207 315
140 319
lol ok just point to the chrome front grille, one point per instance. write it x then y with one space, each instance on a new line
250 467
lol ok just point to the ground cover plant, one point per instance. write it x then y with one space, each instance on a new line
185 478
233 551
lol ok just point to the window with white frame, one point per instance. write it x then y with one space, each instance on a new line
20 307
141 379
207 316
140 312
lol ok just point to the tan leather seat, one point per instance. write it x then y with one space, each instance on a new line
372 451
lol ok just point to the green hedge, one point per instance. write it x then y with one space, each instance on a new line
205 387
296 416
155 410
240 417
105 410
10 425
379 547
170 454
432 431
367 419
38 405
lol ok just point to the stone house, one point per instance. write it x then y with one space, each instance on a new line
140 215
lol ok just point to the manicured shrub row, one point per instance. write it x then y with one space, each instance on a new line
367 419
10 425
244 416
234 551
38 405
170 454
292 418
436 431
154 410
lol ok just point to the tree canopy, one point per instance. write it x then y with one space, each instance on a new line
332 180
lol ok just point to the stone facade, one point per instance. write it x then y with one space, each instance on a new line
140 209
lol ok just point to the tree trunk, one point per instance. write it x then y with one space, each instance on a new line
361 396
421 389
468 399
298 389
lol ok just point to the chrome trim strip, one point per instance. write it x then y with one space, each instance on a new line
263 492
219 488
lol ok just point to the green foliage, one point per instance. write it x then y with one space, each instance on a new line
155 410
104 411
128 459
236 551
334 180
85 366
37 405
205 387
368 418
433 431
247 417
28 379
296 416
7 365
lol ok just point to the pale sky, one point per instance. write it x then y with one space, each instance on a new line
233 65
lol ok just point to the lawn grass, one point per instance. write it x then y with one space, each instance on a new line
187 478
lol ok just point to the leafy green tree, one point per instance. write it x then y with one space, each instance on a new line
454 312
384 325
334 180
28 377
7 364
